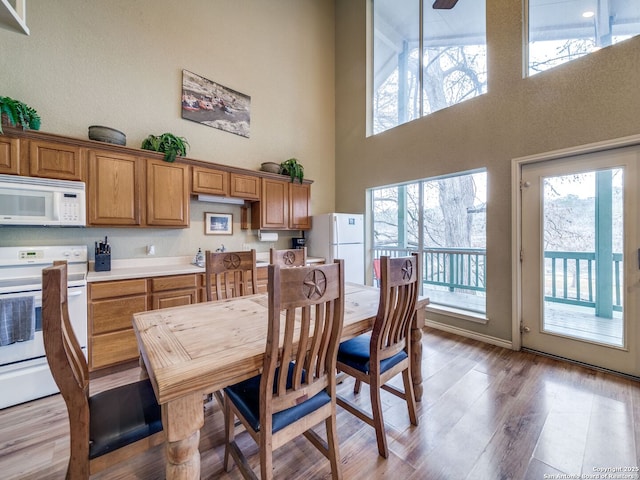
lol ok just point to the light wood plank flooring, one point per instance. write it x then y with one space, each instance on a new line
487 413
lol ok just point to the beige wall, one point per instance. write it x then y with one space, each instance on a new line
592 99
119 63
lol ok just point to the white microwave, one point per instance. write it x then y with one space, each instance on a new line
42 202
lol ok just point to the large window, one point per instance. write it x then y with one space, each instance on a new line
563 30
425 59
445 219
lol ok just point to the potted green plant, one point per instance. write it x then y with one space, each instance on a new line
292 168
16 113
171 145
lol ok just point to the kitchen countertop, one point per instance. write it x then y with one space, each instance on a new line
161 266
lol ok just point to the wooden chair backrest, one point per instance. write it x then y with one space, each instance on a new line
234 274
66 360
293 257
308 303
399 289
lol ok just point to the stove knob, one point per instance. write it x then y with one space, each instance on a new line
66 254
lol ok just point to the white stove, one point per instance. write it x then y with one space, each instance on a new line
24 372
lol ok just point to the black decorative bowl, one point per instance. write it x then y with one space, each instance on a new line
106 134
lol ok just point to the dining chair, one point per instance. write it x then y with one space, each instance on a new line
297 387
234 274
293 257
105 428
375 358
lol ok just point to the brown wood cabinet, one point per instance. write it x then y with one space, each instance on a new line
283 205
56 160
9 155
114 189
174 291
130 187
244 186
111 306
299 200
210 181
167 194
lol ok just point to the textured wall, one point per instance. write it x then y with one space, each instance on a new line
591 99
119 63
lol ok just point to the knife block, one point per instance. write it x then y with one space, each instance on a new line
103 262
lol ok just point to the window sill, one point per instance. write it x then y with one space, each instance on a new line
458 313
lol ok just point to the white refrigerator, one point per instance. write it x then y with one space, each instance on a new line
339 235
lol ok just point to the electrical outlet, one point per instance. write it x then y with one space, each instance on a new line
151 249
245 246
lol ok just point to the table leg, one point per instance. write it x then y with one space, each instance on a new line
182 419
416 353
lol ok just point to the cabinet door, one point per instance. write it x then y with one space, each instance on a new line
210 181
299 198
9 155
272 212
114 189
244 186
167 194
55 160
174 298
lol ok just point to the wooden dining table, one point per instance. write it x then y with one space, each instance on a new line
193 350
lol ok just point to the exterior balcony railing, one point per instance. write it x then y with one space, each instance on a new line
569 276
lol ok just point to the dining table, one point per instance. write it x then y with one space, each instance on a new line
193 350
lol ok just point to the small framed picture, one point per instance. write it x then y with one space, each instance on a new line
218 224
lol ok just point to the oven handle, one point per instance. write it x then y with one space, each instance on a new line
37 297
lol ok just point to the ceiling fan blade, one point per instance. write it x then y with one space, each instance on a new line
444 4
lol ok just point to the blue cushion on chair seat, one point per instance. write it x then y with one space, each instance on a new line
356 354
121 416
246 396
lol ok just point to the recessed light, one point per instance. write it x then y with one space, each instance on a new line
588 14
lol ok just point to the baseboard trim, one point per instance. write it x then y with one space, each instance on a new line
499 342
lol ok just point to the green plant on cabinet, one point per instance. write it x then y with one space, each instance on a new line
171 145
18 114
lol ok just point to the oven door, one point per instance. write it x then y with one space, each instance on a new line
34 349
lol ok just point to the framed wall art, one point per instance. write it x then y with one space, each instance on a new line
218 223
215 105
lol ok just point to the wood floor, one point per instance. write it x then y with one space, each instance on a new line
487 413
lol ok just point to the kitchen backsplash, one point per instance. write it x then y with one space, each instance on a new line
133 242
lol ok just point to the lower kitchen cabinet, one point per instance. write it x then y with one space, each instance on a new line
111 308
174 291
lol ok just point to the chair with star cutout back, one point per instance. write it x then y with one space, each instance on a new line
377 357
297 387
105 428
233 274
293 257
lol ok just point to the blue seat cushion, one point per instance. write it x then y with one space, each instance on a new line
246 397
121 416
356 354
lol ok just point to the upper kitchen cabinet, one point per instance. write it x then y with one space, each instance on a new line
299 200
283 205
244 186
56 160
210 181
167 194
9 155
116 181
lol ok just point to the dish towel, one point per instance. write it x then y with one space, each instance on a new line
17 320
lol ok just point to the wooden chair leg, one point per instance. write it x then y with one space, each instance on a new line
356 386
378 421
409 396
229 432
332 443
266 457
